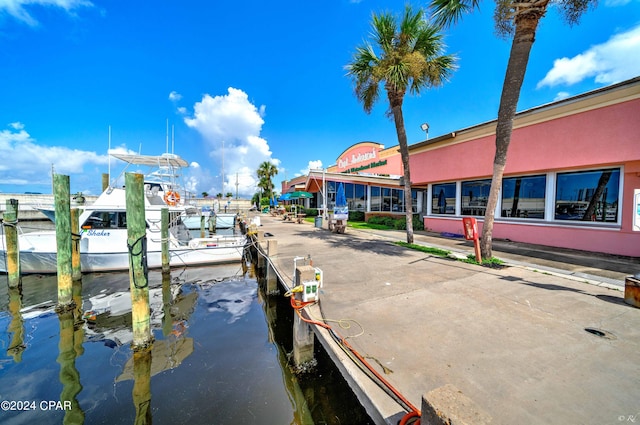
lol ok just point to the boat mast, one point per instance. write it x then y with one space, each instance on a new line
109 156
222 190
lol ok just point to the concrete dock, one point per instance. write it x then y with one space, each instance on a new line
540 341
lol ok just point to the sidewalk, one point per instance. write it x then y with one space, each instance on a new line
513 340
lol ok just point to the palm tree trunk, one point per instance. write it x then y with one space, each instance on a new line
518 59
395 102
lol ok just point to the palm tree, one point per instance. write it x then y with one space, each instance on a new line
410 58
519 20
265 172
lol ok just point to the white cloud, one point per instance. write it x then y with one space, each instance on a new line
18 8
561 95
312 165
610 62
31 162
174 96
231 125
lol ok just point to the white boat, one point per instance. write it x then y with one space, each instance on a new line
103 239
217 220
162 177
192 217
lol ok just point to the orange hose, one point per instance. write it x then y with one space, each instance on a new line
299 305
414 414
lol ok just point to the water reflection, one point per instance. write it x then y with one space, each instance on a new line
70 346
215 358
141 394
16 327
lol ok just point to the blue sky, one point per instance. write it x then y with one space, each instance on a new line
266 80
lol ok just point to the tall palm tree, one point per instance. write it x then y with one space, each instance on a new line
407 56
517 19
266 171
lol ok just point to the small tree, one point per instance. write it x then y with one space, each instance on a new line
407 57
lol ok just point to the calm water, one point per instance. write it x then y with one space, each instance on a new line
220 356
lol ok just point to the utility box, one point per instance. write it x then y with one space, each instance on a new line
311 280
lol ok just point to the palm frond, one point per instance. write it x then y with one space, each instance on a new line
448 12
383 31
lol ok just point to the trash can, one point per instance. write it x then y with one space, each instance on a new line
318 221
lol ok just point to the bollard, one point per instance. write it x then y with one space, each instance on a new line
76 270
62 195
9 223
632 290
164 236
447 405
137 244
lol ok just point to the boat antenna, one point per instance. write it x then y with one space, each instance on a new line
222 168
109 155
173 137
167 142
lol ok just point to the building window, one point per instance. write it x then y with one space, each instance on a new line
397 200
360 198
376 202
443 200
588 195
523 197
474 197
106 220
414 201
386 199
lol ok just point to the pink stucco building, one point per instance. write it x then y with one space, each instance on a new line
571 179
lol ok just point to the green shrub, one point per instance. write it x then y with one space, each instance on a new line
418 223
310 212
400 224
356 216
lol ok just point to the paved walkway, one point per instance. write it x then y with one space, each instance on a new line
512 340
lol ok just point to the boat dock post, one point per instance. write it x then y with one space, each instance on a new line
164 237
9 223
202 226
76 270
272 276
302 332
105 181
61 196
137 245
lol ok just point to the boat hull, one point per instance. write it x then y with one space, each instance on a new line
194 255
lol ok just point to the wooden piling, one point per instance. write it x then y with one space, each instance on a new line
9 223
137 244
167 319
76 270
164 237
69 376
272 276
105 181
202 226
16 326
61 195
141 393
